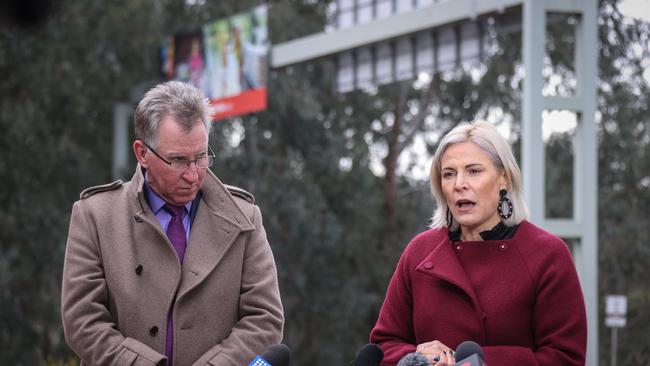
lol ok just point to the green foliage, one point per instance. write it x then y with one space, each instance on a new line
624 179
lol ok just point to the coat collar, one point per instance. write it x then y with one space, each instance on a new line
215 197
218 222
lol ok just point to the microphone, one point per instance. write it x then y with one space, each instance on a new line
414 359
470 354
275 355
369 355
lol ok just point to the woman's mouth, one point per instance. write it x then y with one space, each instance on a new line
464 205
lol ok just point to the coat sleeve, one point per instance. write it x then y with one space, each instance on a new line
393 331
87 323
559 318
261 319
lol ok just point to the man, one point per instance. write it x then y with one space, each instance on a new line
173 267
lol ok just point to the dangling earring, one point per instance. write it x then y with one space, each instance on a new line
450 218
504 203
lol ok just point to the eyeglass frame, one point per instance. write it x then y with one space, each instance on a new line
210 156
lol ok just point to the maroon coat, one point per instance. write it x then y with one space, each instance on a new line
520 299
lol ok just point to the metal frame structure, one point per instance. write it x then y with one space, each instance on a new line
432 16
583 225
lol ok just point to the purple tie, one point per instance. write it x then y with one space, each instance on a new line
176 234
176 230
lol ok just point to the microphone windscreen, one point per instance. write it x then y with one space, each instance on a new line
467 349
369 355
277 355
414 359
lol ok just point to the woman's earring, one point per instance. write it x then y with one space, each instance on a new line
450 218
505 205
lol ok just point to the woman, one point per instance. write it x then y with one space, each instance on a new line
482 272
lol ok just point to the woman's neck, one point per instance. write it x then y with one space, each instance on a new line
470 236
473 233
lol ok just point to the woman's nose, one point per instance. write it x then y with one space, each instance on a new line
460 183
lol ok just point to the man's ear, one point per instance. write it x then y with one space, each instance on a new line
140 151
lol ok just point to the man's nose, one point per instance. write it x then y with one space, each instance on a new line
191 174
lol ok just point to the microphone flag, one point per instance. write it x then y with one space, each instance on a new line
259 361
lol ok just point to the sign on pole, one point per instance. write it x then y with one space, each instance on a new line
616 311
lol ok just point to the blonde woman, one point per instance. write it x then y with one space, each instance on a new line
483 272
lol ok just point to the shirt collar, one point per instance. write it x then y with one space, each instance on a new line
499 232
155 201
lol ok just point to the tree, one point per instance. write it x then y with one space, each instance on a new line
623 162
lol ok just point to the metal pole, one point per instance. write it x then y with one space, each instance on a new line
614 345
532 144
121 113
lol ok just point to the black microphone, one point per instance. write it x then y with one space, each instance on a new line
275 355
414 359
369 355
469 353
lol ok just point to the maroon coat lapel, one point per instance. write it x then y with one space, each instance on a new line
443 264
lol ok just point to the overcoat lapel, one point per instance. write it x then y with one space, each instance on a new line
152 245
218 222
210 239
143 214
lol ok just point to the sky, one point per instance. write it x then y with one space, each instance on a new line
639 9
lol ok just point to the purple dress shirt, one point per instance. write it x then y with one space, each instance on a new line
156 204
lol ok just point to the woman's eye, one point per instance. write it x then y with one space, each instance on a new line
474 171
447 174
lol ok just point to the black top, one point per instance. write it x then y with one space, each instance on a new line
498 232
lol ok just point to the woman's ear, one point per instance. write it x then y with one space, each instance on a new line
503 181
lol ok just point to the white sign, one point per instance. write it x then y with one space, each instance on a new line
615 311
615 322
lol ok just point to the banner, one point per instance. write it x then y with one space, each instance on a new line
226 59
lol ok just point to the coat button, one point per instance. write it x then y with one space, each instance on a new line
153 331
428 265
503 247
138 269
458 248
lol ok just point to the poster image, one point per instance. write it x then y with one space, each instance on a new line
226 59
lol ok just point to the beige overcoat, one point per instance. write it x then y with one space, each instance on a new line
121 275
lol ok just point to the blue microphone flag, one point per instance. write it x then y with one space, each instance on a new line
259 361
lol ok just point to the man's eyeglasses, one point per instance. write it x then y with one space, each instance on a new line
203 161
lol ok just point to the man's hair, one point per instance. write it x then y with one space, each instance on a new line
485 136
181 101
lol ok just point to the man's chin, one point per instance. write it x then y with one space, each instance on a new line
183 198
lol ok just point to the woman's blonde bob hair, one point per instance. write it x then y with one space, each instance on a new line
486 136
